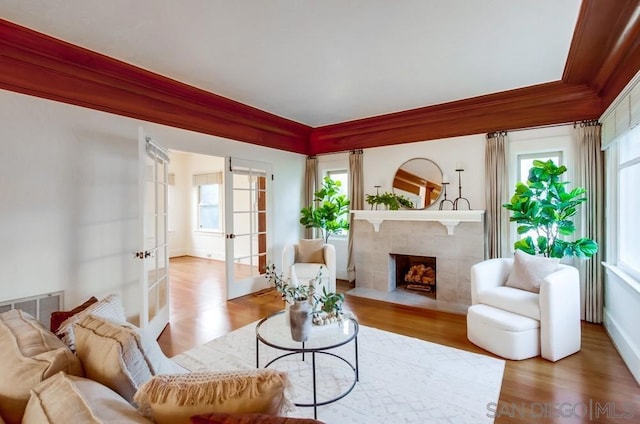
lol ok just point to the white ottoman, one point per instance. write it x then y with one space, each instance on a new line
503 333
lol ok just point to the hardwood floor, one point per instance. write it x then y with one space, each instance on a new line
534 390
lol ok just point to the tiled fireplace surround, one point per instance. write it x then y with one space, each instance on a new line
456 239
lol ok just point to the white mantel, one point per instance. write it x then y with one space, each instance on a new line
448 218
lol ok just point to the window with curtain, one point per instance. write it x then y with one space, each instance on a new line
629 202
209 201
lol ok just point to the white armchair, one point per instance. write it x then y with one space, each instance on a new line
519 324
321 255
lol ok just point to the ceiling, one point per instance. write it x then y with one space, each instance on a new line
323 62
325 76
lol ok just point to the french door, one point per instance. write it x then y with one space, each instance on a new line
247 223
153 160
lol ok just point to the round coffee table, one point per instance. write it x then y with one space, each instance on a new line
274 331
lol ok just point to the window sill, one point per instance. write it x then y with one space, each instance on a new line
629 279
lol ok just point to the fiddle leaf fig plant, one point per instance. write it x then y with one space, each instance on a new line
544 206
331 214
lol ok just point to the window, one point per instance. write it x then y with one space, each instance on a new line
209 188
343 176
629 202
525 162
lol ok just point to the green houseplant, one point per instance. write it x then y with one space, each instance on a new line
332 210
543 205
328 307
298 296
391 200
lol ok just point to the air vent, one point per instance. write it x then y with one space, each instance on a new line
40 306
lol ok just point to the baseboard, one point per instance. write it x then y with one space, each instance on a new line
620 340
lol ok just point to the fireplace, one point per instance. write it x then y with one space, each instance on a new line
415 273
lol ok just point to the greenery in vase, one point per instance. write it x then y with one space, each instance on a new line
290 293
543 205
391 200
329 302
330 211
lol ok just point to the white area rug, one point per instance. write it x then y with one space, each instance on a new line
402 379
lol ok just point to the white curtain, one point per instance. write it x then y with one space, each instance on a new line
591 177
496 193
356 196
310 182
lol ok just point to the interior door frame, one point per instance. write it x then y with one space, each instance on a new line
237 288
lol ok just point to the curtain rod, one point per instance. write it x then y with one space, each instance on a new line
574 123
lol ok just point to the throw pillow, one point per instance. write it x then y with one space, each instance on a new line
172 399
58 317
224 418
30 354
67 399
310 251
529 271
119 355
110 307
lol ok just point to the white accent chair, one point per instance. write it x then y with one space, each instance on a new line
520 324
308 271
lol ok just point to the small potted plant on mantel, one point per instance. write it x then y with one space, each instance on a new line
391 201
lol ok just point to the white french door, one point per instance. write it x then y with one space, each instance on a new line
153 256
247 223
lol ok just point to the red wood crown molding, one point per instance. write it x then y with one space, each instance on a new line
605 50
36 64
537 105
604 56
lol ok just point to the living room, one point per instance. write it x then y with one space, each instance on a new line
70 166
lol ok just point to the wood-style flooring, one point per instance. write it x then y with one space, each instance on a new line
593 385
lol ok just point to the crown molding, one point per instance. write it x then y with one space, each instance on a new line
537 105
603 57
37 64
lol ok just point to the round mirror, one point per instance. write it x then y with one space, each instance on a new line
420 180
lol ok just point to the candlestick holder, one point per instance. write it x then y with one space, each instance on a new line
445 200
459 198
377 187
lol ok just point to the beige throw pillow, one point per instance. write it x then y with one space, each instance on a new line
172 399
110 307
64 399
529 271
119 355
30 354
310 251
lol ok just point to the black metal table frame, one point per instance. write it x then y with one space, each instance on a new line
319 350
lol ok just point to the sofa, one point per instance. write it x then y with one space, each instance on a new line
98 368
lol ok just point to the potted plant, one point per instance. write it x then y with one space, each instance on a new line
543 205
328 307
392 201
298 296
331 212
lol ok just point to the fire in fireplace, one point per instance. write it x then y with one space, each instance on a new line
416 273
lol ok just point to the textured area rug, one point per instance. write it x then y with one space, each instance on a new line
402 379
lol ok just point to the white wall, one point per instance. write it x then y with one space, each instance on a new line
68 190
